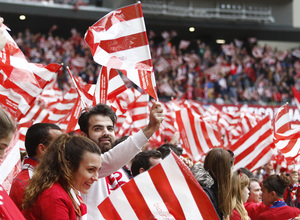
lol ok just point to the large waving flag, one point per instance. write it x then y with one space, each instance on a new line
286 139
167 191
119 41
255 148
21 82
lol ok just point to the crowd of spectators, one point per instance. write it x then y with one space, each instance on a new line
238 72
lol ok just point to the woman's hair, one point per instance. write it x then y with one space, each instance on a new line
7 125
58 164
218 162
239 182
277 183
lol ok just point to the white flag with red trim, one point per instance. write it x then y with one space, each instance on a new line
119 40
286 139
255 148
167 191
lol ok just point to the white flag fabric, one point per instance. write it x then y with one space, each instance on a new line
167 191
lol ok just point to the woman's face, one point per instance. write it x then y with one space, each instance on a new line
245 194
87 172
4 142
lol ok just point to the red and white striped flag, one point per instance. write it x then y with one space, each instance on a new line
119 41
167 191
257 52
109 85
198 136
85 96
228 49
255 148
21 82
296 53
286 139
296 96
215 70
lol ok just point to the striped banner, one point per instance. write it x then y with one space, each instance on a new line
286 139
198 136
255 148
167 191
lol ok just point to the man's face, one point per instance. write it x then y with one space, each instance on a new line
101 131
294 178
267 197
255 192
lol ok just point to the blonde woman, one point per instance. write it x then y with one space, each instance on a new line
240 194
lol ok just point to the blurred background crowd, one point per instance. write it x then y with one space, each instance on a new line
240 72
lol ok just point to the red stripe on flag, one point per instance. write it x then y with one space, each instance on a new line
252 147
127 14
260 156
123 43
192 119
183 134
249 134
203 202
165 192
110 211
136 199
139 117
289 146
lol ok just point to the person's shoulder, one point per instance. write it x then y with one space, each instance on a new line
56 191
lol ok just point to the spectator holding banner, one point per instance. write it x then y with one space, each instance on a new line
98 124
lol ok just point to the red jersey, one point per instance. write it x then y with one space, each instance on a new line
20 181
